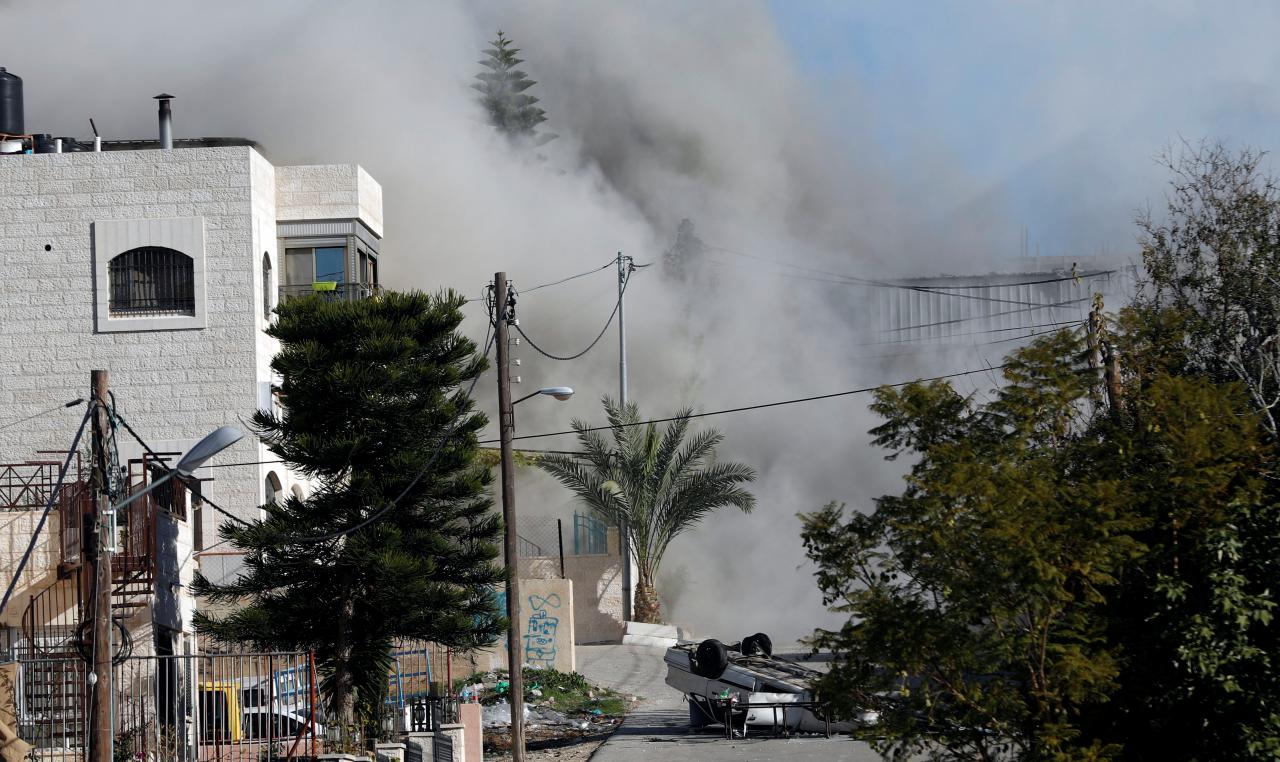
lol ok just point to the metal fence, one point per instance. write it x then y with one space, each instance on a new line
185 708
550 537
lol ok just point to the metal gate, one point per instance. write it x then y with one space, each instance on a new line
183 708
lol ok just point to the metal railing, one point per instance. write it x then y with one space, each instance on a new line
337 291
185 708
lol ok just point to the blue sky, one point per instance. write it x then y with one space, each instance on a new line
1056 109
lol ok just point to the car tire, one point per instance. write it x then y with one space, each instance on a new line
757 644
710 659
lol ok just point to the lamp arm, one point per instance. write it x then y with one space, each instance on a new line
525 397
150 487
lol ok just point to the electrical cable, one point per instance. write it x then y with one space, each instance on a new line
160 461
605 266
891 284
53 409
1056 324
755 407
53 497
617 306
422 472
1054 305
939 290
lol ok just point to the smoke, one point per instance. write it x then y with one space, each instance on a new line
665 111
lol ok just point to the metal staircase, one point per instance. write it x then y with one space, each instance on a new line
56 625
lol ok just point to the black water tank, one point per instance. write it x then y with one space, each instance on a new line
11 119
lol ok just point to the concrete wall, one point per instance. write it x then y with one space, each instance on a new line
335 191
597 588
172 385
16 528
176 384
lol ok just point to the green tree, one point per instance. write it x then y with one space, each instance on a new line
1198 615
976 599
502 89
371 397
1194 614
1214 259
653 483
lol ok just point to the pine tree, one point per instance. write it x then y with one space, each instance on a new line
502 88
373 394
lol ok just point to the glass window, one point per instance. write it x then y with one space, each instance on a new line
329 263
298 268
266 286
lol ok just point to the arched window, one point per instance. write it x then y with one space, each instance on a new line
266 286
151 280
274 491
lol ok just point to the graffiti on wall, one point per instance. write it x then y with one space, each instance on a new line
540 634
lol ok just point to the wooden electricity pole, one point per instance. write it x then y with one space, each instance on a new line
100 736
507 424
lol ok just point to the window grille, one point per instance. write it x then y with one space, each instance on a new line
152 281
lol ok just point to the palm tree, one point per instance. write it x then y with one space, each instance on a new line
652 484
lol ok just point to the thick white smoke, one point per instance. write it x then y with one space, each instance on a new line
664 112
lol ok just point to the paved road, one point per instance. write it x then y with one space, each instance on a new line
658 726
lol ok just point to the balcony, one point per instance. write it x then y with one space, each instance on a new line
330 291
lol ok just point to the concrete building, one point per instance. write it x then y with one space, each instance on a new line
162 267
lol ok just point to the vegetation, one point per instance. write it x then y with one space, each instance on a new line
567 692
372 395
1070 574
652 483
502 87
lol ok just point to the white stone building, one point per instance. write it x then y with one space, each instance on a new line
162 267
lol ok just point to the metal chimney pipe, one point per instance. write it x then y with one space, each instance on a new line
166 121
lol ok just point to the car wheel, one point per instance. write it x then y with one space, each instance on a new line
710 659
757 644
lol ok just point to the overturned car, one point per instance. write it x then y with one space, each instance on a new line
744 685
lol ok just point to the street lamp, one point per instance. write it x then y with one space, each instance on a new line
101 740
505 306
222 438
561 393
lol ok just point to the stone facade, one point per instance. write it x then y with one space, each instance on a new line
174 380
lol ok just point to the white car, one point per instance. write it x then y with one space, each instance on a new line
744 685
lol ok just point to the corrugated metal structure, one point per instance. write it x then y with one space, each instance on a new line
1032 296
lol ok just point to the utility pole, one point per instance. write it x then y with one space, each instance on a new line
504 310
100 736
625 267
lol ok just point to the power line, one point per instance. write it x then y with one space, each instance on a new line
911 286
850 281
756 407
53 409
53 498
1053 305
1056 324
617 305
160 460
605 266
